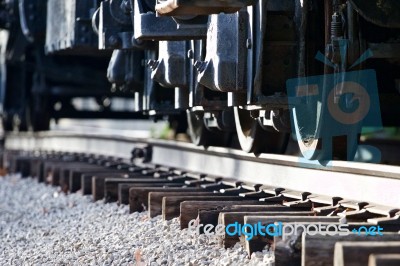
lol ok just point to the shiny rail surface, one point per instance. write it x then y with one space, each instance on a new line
378 185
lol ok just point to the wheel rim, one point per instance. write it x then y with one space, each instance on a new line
306 130
195 128
201 136
313 132
253 139
247 130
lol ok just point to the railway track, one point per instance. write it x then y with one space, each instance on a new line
218 186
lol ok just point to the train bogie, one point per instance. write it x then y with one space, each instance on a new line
238 70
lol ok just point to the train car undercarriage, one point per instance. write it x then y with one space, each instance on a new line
254 71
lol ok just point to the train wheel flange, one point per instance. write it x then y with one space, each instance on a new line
201 136
253 138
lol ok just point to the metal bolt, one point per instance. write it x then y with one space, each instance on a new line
304 195
135 41
199 65
190 54
152 64
114 41
335 200
361 205
393 212
278 191
137 153
254 113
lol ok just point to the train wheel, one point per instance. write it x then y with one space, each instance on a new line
314 134
201 136
254 139
314 147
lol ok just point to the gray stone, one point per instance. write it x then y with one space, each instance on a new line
39 228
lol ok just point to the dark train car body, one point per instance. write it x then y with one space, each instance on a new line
252 70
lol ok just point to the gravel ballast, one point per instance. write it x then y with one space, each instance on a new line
39 225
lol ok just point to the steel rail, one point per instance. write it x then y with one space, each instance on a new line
377 184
